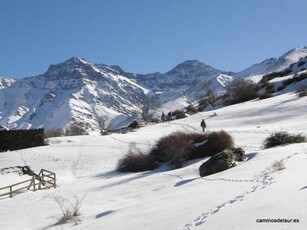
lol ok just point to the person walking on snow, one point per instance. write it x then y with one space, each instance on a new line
203 125
163 117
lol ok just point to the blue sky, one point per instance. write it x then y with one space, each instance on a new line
144 36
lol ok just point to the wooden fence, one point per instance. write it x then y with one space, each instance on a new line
44 180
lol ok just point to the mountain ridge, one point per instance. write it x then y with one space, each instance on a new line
104 97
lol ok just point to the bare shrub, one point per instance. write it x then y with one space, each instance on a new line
54 133
302 91
278 165
136 161
178 147
75 128
283 138
150 104
70 210
216 142
173 148
210 94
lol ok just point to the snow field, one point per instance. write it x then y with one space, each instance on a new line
177 199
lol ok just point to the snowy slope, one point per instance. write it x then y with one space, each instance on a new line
178 199
274 64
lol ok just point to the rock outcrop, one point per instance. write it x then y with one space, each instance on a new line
221 161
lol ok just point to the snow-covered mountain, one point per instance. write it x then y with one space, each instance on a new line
6 82
185 80
73 91
275 64
102 97
95 96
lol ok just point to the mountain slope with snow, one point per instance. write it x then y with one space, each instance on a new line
98 97
6 82
275 64
238 198
75 90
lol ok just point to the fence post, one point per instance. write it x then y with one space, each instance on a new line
54 180
33 181
11 191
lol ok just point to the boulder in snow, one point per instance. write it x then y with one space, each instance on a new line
221 161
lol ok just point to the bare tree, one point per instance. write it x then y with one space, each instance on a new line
75 128
101 120
210 94
149 107
240 91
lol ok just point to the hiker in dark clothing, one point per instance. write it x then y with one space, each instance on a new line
163 117
203 125
169 116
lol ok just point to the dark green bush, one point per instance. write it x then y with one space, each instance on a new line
191 110
265 96
301 77
288 81
21 139
302 91
179 114
300 63
283 138
280 88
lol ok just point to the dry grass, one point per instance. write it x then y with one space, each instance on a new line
278 165
70 210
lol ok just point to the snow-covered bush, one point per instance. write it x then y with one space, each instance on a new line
135 161
283 138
